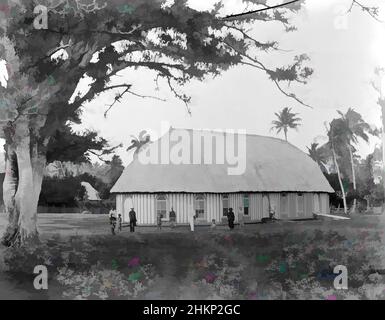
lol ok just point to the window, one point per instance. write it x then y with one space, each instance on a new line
300 204
200 206
246 204
284 204
225 201
161 205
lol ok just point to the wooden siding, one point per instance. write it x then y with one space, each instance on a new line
325 203
145 206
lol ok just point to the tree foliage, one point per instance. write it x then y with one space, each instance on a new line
91 42
285 120
67 145
99 40
319 155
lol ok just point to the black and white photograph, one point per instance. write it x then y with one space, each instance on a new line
217 151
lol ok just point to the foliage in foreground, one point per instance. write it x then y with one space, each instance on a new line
205 266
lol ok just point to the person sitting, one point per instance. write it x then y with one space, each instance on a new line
213 224
272 214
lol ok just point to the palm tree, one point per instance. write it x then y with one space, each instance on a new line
286 120
355 128
138 142
380 88
336 134
318 155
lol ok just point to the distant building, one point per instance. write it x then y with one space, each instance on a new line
91 193
277 176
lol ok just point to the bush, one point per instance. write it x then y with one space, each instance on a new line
206 266
61 192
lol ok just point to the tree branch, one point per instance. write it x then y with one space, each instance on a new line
259 10
259 65
119 96
372 11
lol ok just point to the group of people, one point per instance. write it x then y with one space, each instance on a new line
172 219
117 220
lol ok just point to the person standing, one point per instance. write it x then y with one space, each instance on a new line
241 216
112 215
120 222
132 216
159 220
172 218
231 218
191 218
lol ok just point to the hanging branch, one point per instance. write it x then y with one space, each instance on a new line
260 10
119 96
372 11
184 98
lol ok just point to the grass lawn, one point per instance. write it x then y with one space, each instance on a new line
282 260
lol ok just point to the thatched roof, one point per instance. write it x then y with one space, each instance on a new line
272 165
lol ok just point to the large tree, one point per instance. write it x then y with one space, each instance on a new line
95 40
379 86
337 132
355 128
374 9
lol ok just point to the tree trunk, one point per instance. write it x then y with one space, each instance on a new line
9 191
21 189
353 177
382 104
340 180
285 131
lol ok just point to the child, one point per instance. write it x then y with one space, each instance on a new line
113 223
213 225
120 222
112 220
159 221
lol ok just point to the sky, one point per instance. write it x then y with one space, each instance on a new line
344 51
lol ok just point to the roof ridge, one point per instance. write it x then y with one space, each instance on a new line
223 131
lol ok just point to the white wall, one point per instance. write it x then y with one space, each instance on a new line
145 206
